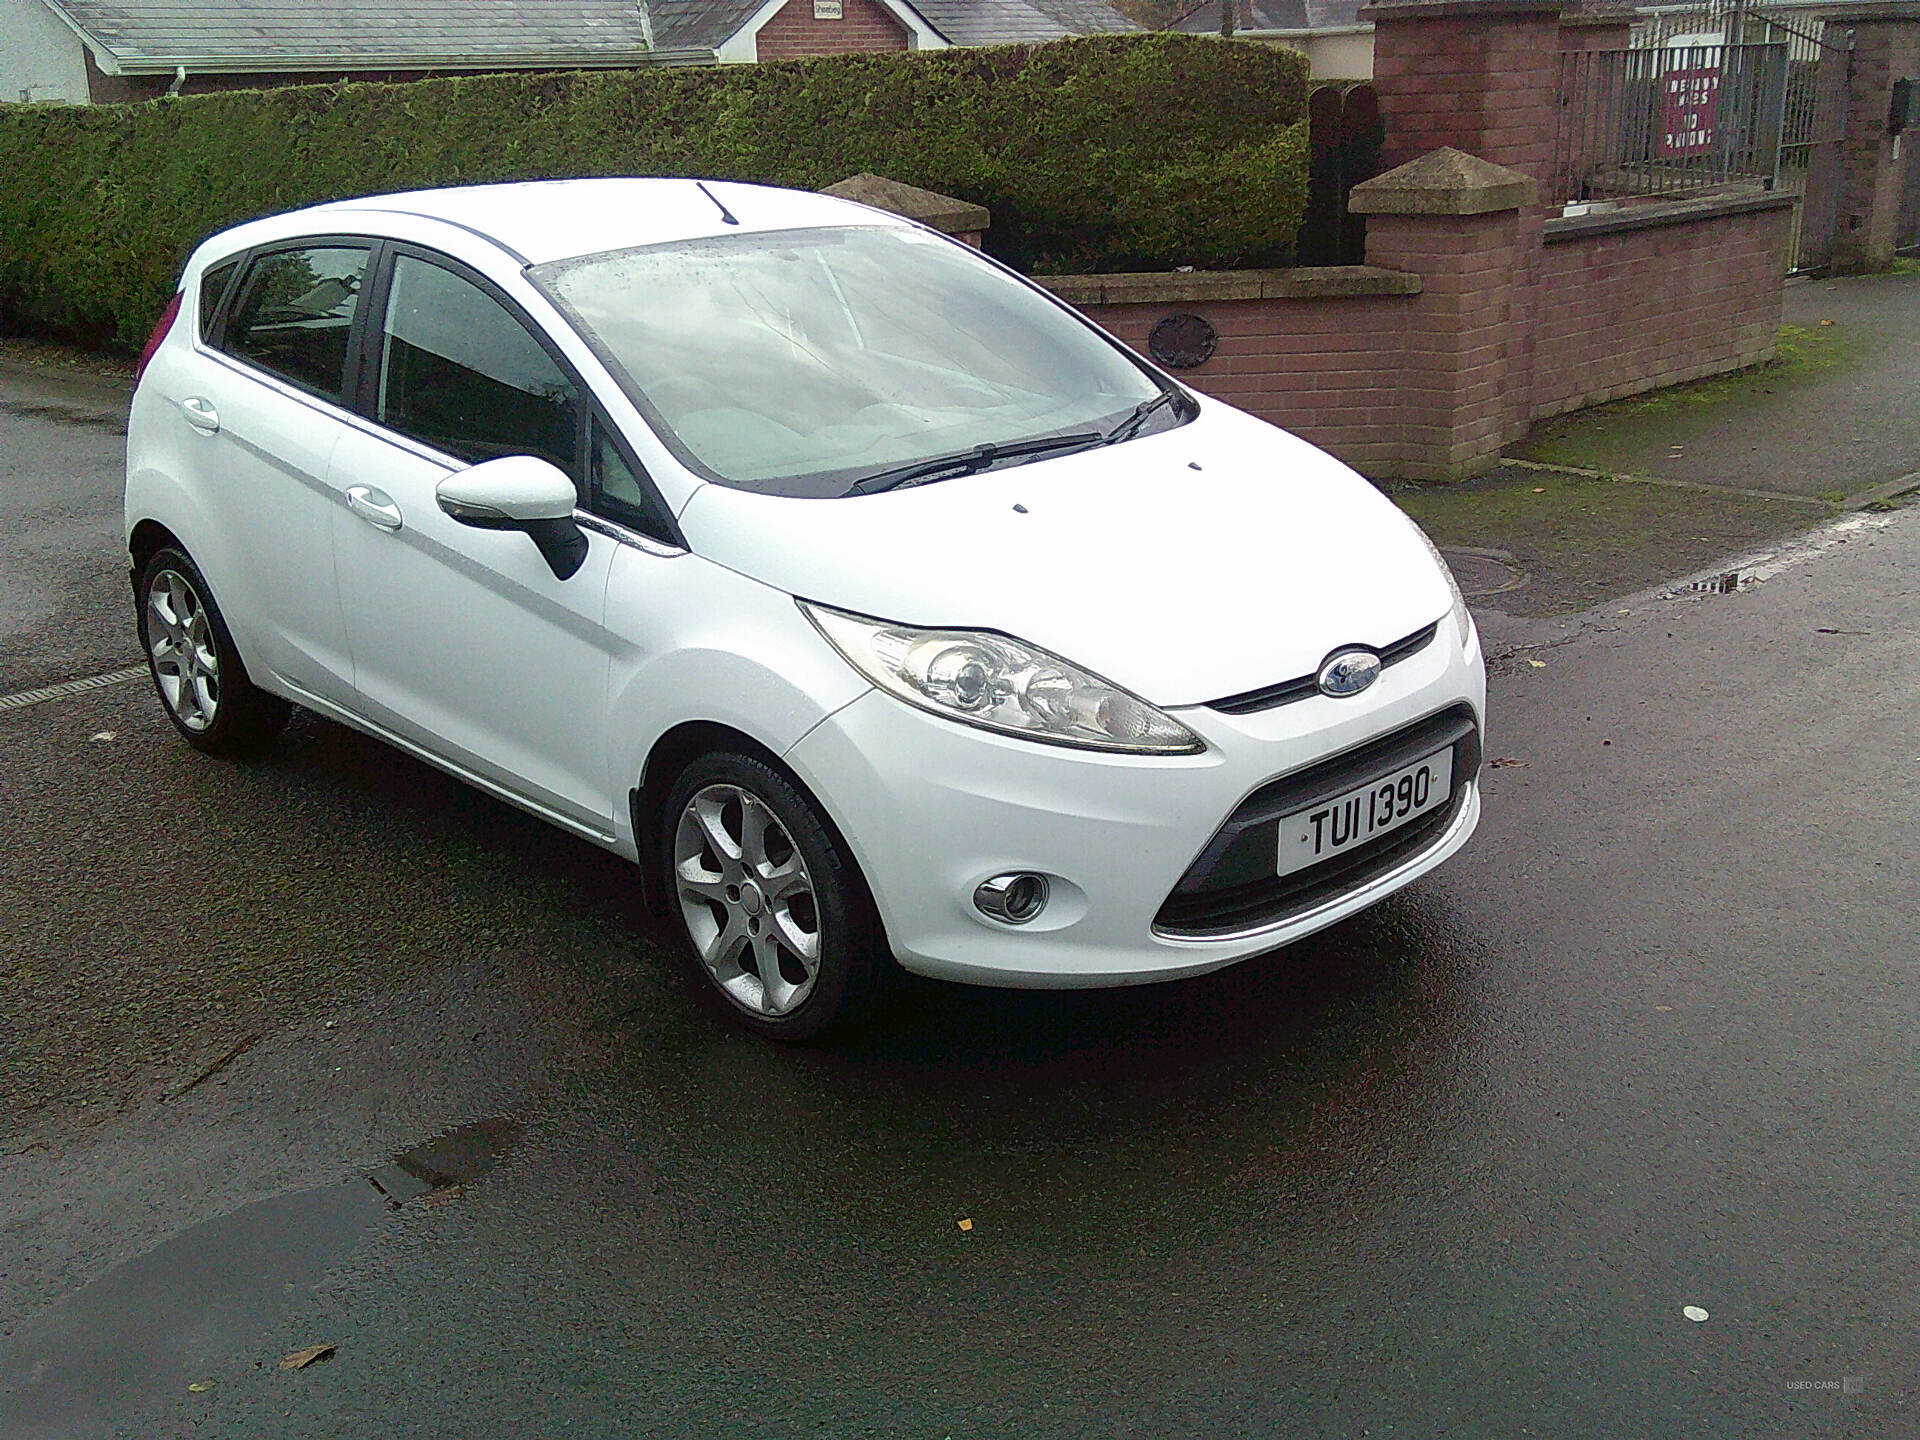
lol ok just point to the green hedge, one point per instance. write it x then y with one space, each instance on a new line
1107 153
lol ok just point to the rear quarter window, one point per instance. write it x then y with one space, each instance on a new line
213 289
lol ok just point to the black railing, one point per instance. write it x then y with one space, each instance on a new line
1669 121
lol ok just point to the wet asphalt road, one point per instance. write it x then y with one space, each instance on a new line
1450 1169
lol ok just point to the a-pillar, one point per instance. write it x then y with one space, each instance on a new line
1455 221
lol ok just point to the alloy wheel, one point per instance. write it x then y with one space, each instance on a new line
748 900
180 643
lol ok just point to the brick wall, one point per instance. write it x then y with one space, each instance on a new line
1328 370
864 25
1632 310
1478 311
1427 361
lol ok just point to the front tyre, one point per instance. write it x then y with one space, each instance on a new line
202 683
777 914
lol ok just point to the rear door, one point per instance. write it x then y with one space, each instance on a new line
463 640
266 410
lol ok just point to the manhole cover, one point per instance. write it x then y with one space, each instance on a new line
1481 573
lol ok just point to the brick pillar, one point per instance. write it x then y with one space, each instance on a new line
1479 75
1873 163
1457 222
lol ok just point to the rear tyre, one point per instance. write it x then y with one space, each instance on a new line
202 683
776 912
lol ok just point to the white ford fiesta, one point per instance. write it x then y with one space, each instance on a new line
875 602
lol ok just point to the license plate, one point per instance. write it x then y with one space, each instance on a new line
1336 826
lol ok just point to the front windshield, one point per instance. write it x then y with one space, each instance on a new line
807 362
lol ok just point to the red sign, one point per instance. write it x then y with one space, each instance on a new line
1687 107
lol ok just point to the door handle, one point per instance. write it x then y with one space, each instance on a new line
200 414
375 507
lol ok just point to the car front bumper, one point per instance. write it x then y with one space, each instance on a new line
931 808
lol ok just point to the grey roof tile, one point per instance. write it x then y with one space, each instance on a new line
270 35
1204 18
1001 22
290 34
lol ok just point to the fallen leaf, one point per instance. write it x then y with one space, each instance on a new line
1507 762
1538 664
1826 322
307 1355
200 1387
966 1224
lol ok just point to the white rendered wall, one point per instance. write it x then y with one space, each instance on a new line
40 58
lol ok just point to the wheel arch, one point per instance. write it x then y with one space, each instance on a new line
671 753
149 538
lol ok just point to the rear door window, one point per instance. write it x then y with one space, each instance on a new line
294 315
461 373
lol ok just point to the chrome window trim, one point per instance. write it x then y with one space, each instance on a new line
619 533
328 408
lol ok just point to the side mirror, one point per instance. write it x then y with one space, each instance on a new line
520 492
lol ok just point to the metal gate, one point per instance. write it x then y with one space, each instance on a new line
1819 60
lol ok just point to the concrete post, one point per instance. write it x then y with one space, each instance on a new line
1456 221
961 219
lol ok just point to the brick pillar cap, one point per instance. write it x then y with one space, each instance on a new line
938 212
1598 13
1886 10
1443 182
1377 10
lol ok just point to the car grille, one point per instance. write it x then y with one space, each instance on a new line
1232 887
1270 697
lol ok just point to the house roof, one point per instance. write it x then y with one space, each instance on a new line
1002 22
1257 15
145 36
152 36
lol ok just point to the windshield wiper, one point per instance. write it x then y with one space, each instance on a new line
968 462
1130 426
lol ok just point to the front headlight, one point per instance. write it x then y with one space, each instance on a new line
1001 684
1462 620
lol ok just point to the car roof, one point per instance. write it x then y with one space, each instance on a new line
544 220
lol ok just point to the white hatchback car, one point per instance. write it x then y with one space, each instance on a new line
873 600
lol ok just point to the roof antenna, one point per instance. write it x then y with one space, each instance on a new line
726 215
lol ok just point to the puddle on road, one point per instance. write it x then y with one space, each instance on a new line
182 1311
1726 583
1757 569
452 1158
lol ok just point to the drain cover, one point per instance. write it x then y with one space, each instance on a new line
1482 573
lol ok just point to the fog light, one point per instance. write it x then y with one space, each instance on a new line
1013 898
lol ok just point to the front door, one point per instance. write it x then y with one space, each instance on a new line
463 640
